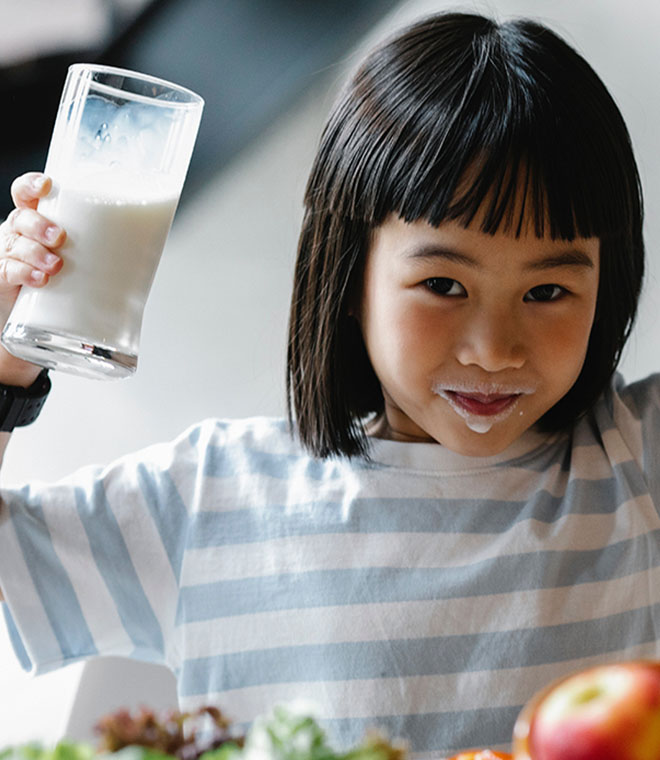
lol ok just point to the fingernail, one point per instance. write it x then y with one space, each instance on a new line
52 233
37 276
38 183
51 259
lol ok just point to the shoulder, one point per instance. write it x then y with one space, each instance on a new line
256 433
624 402
220 448
641 397
253 444
629 413
258 458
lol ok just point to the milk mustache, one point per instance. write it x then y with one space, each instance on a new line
116 225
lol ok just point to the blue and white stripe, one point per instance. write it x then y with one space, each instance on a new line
421 592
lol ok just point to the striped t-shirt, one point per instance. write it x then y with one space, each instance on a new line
421 592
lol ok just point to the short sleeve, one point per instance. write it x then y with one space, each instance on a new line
90 565
636 411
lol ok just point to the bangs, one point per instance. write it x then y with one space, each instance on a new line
503 133
509 169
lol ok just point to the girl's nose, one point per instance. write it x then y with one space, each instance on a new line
491 341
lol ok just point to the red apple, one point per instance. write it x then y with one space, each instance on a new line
608 712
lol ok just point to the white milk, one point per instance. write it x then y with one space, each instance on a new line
116 228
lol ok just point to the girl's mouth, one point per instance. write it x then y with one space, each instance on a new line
483 407
483 404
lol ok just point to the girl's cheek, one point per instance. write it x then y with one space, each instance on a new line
572 330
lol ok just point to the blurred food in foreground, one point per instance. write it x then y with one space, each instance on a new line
608 712
286 734
482 754
175 733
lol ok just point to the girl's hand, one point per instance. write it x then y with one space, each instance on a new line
28 256
28 242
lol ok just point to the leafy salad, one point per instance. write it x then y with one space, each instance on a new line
285 734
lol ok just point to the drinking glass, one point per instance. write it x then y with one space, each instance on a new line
118 158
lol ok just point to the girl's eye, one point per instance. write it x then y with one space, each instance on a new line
445 286
545 293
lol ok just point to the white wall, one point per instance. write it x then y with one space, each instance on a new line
214 331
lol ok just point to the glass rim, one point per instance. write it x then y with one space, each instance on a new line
194 102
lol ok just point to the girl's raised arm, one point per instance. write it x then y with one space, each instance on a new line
28 257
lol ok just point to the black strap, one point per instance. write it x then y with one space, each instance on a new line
21 406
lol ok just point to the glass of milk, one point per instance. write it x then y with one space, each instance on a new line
118 158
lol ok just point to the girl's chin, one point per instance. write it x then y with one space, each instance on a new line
473 438
478 447
470 442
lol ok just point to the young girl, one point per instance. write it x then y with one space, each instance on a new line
463 505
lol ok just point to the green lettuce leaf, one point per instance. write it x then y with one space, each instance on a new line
62 751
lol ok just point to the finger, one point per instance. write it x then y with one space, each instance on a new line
31 224
27 189
30 252
16 273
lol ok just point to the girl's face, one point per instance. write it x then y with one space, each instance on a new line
474 336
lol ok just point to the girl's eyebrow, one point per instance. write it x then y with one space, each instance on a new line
430 251
573 257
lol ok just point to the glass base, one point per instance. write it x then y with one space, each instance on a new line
67 353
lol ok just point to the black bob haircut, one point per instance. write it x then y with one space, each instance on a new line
449 93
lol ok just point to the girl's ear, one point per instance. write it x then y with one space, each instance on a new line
354 302
353 310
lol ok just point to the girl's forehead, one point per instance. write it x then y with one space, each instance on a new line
420 241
